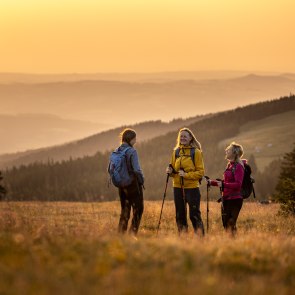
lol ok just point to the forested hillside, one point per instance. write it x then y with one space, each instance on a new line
90 145
86 178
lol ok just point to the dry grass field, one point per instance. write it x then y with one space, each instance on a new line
74 248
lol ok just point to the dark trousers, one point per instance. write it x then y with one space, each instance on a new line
230 210
192 197
131 196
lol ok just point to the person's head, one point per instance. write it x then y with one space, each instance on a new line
128 136
234 152
187 138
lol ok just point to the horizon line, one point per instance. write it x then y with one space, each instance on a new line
144 73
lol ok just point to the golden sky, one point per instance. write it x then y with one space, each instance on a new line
63 36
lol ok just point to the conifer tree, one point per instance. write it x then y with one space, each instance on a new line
286 184
252 163
2 189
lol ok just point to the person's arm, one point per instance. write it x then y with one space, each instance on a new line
136 167
213 182
238 175
173 165
199 165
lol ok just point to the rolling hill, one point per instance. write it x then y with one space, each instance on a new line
9 78
85 179
88 146
114 102
267 139
30 131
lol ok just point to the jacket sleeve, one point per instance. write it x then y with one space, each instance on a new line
238 175
199 167
136 167
213 183
172 162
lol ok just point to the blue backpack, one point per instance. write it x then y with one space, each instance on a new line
119 168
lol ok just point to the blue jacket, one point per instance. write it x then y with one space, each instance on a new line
132 157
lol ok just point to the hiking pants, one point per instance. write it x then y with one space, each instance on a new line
131 196
193 198
230 210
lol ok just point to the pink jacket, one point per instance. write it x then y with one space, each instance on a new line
232 181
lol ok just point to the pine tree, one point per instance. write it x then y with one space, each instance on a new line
286 184
2 189
252 163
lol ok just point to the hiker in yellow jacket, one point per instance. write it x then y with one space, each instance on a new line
187 169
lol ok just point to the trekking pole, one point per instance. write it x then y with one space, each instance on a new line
182 187
183 193
220 200
167 179
208 187
253 181
221 190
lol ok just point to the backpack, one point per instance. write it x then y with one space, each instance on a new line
192 150
119 168
248 180
192 154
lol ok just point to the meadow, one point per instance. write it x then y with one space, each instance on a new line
74 248
268 139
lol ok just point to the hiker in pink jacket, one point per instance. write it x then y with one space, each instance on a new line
231 185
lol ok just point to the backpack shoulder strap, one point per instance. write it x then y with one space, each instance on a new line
127 149
128 158
193 152
233 169
177 152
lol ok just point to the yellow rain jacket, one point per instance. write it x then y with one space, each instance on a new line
194 171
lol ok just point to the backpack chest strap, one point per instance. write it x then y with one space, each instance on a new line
192 154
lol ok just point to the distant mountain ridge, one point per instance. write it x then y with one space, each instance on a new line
90 145
10 78
24 131
112 102
289 75
85 179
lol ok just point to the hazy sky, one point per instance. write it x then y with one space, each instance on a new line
55 36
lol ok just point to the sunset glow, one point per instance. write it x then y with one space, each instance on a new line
59 36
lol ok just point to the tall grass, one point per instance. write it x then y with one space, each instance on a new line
74 248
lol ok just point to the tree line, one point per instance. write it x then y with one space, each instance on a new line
86 179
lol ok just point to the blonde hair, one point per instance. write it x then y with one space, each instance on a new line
237 150
193 143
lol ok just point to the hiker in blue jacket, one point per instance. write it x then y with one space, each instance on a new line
131 195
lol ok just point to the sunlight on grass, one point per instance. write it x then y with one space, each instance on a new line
74 248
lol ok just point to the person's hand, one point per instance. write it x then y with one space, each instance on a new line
219 183
168 170
207 179
181 173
